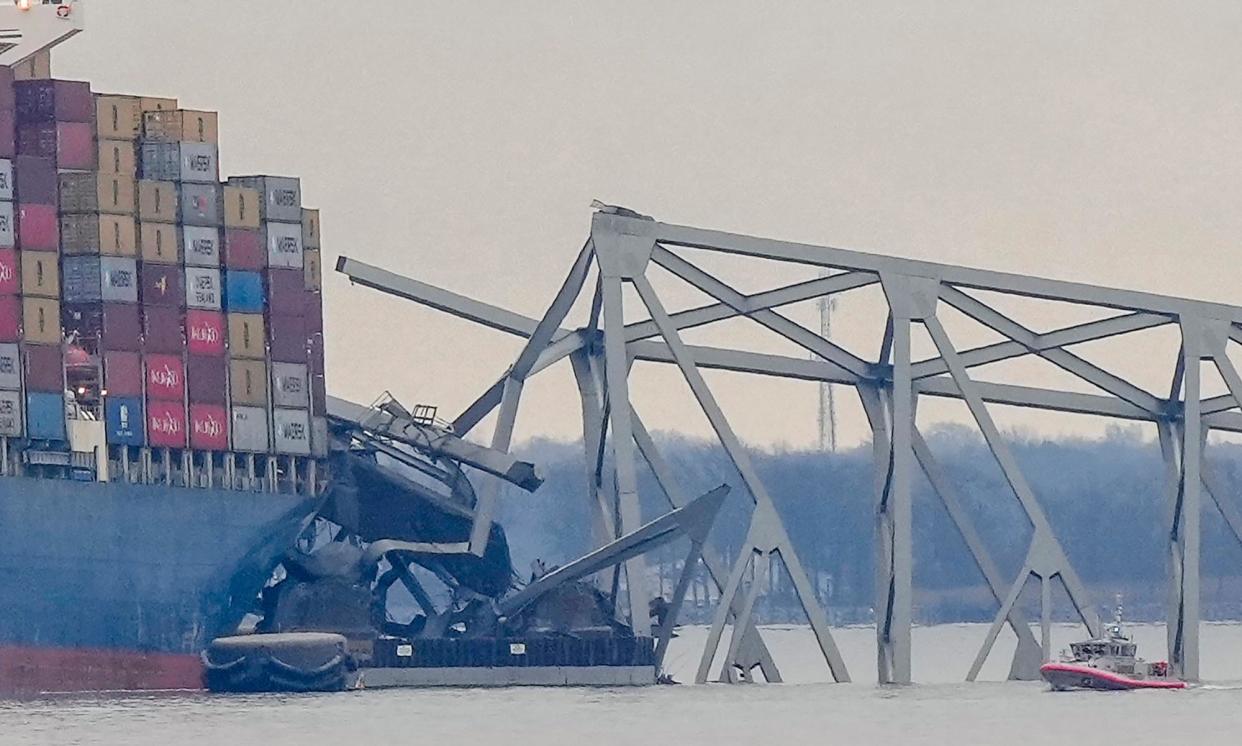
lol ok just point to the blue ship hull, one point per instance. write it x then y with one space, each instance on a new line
121 586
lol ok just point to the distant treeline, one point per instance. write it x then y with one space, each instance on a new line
1106 500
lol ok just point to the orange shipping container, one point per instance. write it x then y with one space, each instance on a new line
118 117
155 103
310 229
118 157
92 192
37 67
248 383
246 335
312 271
181 125
157 201
41 321
161 243
41 274
241 207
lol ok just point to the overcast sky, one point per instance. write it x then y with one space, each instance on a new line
461 144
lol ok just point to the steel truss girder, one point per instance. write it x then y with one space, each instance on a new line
621 247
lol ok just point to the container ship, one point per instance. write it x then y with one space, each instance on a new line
162 394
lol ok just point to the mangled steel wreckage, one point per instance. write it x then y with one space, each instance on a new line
400 509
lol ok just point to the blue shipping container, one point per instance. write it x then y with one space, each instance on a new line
243 292
45 416
124 420
81 278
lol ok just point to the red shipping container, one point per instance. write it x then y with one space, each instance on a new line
36 181
45 368
10 318
163 330
204 332
105 326
165 378
244 249
166 424
314 318
123 373
38 229
10 273
209 427
162 285
287 338
208 380
286 292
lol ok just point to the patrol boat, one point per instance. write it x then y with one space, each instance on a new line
1108 663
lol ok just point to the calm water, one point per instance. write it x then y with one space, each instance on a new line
805 711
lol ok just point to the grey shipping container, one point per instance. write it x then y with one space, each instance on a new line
10 367
181 161
291 431
91 278
200 204
202 288
6 179
281 196
11 414
290 385
284 244
319 437
8 236
201 246
249 429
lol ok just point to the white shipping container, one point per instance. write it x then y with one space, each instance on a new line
201 246
291 428
8 232
202 288
290 385
10 367
284 245
119 279
319 437
6 179
249 430
200 162
11 414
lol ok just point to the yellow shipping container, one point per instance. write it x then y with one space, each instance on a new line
118 157
41 274
246 335
161 243
181 125
312 271
248 383
157 201
310 229
41 321
118 117
241 207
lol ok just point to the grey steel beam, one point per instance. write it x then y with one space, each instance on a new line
1078 334
1197 344
1064 359
692 521
767 533
1045 557
1004 282
768 318
489 492
616 371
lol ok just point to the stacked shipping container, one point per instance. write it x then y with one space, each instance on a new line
188 309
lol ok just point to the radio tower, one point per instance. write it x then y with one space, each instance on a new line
827 405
